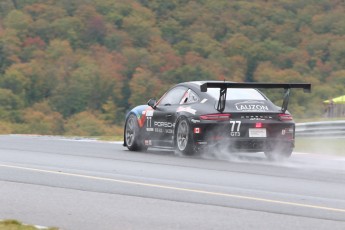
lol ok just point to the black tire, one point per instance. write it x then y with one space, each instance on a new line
183 139
279 153
132 135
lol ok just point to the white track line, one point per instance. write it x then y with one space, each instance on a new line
177 188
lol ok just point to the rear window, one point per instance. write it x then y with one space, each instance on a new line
237 94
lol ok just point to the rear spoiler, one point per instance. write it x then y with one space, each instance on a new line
223 86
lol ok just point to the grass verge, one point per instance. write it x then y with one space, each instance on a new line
110 138
16 225
333 146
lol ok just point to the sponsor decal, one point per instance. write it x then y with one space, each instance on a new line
149 129
149 113
202 143
145 116
235 134
251 106
256 117
257 132
148 142
287 131
163 124
158 130
148 122
186 109
169 131
197 130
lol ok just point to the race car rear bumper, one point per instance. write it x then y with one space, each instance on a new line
276 134
247 145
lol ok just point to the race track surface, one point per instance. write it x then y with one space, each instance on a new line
84 184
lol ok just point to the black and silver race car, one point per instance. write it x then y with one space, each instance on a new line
196 115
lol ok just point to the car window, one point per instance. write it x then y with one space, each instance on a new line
173 97
189 97
237 94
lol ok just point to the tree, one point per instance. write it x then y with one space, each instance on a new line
140 29
14 80
10 101
204 45
10 49
144 85
337 53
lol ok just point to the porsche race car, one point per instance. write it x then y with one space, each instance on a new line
192 116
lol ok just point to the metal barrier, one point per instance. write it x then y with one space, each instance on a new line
322 129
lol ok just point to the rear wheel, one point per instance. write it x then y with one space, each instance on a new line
279 153
184 141
132 135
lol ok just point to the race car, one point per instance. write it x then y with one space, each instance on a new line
199 115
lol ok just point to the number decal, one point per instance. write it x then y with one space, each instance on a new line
233 126
149 122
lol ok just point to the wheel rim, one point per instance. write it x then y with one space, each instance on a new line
130 131
182 135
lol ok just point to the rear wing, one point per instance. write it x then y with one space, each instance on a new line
223 86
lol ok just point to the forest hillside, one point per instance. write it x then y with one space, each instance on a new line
76 67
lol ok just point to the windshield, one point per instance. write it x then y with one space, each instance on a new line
237 94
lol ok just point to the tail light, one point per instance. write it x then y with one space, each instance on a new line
216 117
285 117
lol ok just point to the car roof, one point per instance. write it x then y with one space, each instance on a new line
195 85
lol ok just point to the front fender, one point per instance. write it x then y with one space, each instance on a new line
140 113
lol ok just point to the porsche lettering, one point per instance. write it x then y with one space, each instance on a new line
163 124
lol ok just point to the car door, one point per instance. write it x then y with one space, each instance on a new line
164 116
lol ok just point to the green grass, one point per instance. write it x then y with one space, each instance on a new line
16 225
333 146
110 138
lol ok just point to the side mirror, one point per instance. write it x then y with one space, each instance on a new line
152 102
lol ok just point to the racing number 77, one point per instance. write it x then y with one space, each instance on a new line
233 125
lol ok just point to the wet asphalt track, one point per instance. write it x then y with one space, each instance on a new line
80 184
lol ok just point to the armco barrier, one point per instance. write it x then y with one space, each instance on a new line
323 128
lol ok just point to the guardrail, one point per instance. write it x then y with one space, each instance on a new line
323 129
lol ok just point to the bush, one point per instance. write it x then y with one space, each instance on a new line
41 119
87 124
5 128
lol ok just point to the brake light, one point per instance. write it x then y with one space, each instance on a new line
285 117
216 117
258 125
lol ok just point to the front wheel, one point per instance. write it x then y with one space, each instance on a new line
184 141
132 135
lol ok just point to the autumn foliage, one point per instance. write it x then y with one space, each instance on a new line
76 67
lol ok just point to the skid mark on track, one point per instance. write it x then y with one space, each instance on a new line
160 186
